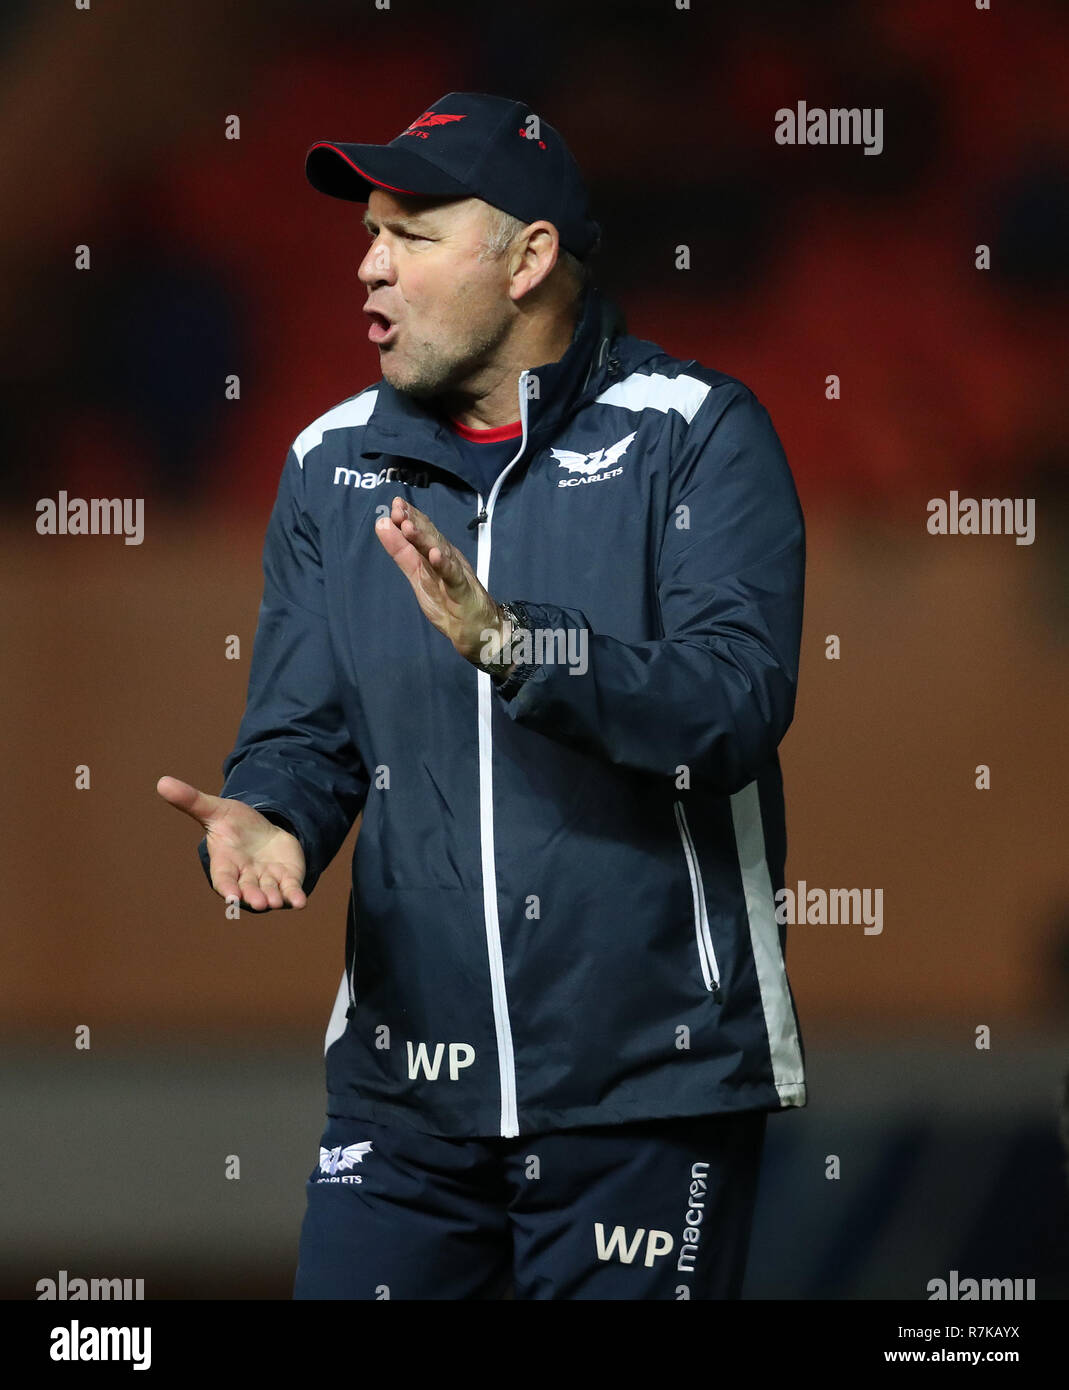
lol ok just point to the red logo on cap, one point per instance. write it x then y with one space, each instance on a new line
431 118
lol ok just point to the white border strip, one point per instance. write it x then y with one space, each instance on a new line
349 413
787 1071
655 391
336 1026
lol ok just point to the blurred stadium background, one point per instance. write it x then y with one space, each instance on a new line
213 256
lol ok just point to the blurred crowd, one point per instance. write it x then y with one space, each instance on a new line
212 258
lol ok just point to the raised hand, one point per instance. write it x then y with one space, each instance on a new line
443 581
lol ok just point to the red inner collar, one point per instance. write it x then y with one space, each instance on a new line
493 436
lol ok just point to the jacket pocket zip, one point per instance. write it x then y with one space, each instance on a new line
352 961
706 953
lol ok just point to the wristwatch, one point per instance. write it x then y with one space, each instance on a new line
519 623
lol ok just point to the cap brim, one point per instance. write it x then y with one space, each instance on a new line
352 171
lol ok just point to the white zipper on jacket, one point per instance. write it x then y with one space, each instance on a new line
505 1059
706 954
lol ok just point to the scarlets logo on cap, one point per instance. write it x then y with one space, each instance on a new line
430 118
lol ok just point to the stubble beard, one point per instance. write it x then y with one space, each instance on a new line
438 373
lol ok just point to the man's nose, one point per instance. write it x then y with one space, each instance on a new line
377 266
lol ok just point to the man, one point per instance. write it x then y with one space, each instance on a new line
564 1015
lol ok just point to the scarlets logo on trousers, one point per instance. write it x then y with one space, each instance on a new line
429 118
344 1156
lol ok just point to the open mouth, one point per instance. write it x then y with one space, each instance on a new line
381 330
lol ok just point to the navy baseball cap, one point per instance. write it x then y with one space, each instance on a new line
469 145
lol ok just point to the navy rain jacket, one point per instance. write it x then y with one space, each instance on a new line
562 905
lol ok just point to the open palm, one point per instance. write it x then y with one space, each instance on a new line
249 858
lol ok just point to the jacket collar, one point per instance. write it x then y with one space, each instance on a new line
400 425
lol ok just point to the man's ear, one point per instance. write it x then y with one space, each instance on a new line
535 253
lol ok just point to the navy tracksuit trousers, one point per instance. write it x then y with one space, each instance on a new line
658 1209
